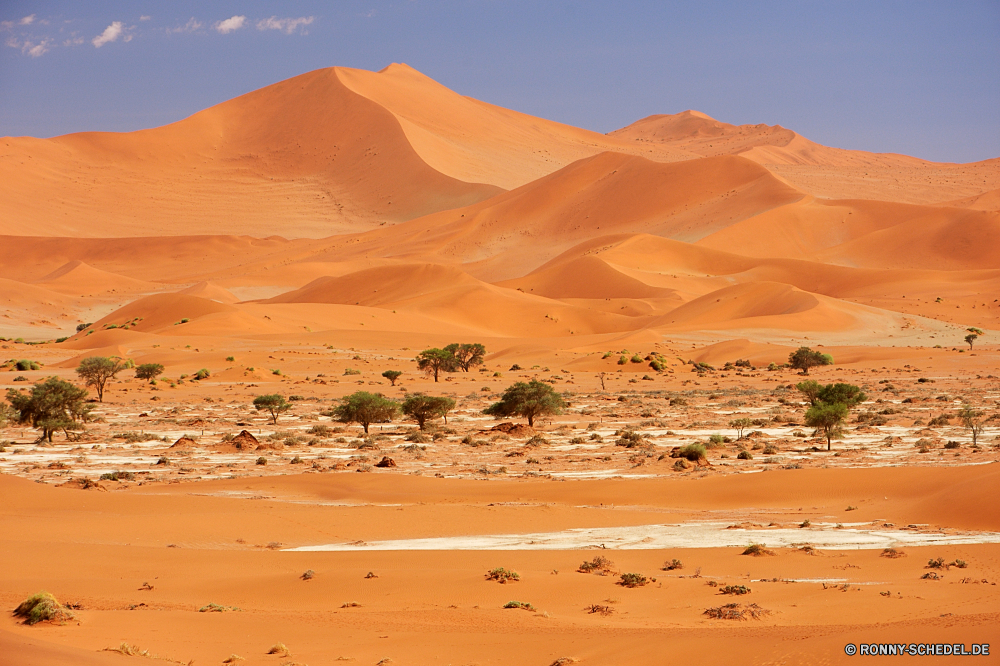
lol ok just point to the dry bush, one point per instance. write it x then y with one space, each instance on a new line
599 564
502 575
43 607
737 612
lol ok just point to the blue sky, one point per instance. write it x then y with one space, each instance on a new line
920 78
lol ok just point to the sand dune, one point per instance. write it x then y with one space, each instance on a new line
211 291
80 279
819 170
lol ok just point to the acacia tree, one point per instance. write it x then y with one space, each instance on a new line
97 370
804 358
827 417
392 375
366 408
148 371
529 400
273 403
739 425
434 361
51 406
425 407
467 355
973 334
973 420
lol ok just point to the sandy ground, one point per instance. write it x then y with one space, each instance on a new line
304 238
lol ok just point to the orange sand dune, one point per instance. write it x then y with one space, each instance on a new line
451 296
586 277
307 151
80 279
211 291
811 167
515 232
477 142
985 201
870 234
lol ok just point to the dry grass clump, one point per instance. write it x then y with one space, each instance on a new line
524 605
757 550
43 607
599 564
737 612
217 608
128 650
232 659
892 553
502 575
734 589
280 650
600 609
672 565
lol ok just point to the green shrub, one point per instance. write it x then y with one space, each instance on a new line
692 452
24 365
519 604
202 374
745 455
633 580
42 607
502 575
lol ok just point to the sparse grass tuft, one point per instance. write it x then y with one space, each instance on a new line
757 550
128 650
42 607
280 650
892 553
502 575
734 589
217 608
519 604
737 612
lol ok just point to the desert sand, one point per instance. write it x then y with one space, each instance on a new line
303 238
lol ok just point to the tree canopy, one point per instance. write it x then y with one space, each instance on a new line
392 375
366 408
804 358
148 371
529 400
467 355
830 404
426 407
97 370
273 403
435 361
51 406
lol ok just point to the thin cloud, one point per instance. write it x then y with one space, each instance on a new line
74 41
231 24
145 18
192 25
27 20
286 25
28 47
110 34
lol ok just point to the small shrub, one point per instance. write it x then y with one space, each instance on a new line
892 553
24 365
502 575
737 612
217 608
745 455
42 607
630 439
961 564
757 550
280 650
117 476
692 452
598 564
262 460
734 589
519 604
633 580
936 563
321 430
351 371
600 609
672 565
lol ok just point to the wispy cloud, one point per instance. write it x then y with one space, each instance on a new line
29 47
27 20
145 18
110 34
231 24
75 40
192 25
286 25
